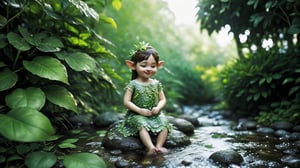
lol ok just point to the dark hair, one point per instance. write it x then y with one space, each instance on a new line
141 55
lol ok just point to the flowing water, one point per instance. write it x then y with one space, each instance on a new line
214 134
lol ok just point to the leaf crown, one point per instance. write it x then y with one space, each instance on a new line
140 46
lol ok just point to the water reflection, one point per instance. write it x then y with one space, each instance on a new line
214 134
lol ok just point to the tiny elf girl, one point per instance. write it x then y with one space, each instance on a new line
144 98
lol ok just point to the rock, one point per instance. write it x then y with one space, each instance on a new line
263 163
282 125
245 124
182 125
291 160
122 163
295 136
82 119
226 157
186 162
116 152
282 133
115 140
107 118
296 128
192 119
265 130
177 139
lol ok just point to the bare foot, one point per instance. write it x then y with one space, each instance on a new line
162 150
152 151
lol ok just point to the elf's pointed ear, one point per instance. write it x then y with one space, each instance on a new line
160 64
130 64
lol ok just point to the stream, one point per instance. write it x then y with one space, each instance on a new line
215 133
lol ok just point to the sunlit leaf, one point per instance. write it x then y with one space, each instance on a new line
79 61
40 159
47 67
83 160
17 41
70 140
8 79
117 4
67 145
78 42
61 96
25 125
108 20
30 97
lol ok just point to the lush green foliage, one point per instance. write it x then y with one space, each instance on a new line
45 46
265 84
276 20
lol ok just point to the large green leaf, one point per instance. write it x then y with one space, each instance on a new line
78 61
27 36
41 40
61 96
3 21
40 160
50 44
8 79
31 97
83 160
17 41
3 41
47 67
25 124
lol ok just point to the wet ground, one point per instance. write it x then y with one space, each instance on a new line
214 134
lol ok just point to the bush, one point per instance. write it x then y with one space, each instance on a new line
264 84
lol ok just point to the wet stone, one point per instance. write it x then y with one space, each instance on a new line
291 151
282 133
297 144
282 125
186 162
182 125
226 157
81 120
265 130
116 152
283 146
122 164
291 160
295 136
262 164
107 118
296 128
192 119
245 124
115 140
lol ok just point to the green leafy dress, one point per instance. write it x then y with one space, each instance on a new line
144 96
